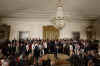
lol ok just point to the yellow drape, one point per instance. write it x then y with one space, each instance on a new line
50 32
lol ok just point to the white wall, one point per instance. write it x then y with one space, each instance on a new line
34 26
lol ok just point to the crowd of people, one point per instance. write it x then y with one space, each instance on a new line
29 52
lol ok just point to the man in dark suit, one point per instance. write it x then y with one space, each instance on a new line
36 54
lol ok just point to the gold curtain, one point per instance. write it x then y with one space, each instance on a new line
50 32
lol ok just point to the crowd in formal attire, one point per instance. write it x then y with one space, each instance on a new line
28 52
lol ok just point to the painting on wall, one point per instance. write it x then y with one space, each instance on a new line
23 35
2 34
91 32
76 35
4 31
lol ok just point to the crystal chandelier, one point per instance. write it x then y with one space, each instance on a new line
59 20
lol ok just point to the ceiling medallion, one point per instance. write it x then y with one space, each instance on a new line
59 19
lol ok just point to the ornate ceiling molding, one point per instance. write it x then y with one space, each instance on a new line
48 15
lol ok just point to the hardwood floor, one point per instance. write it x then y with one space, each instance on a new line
60 61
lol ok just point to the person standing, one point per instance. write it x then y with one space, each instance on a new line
45 47
36 54
71 49
33 47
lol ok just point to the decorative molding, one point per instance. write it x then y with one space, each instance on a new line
47 15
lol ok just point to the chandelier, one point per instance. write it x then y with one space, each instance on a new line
59 19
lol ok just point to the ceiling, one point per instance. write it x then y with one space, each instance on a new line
47 8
